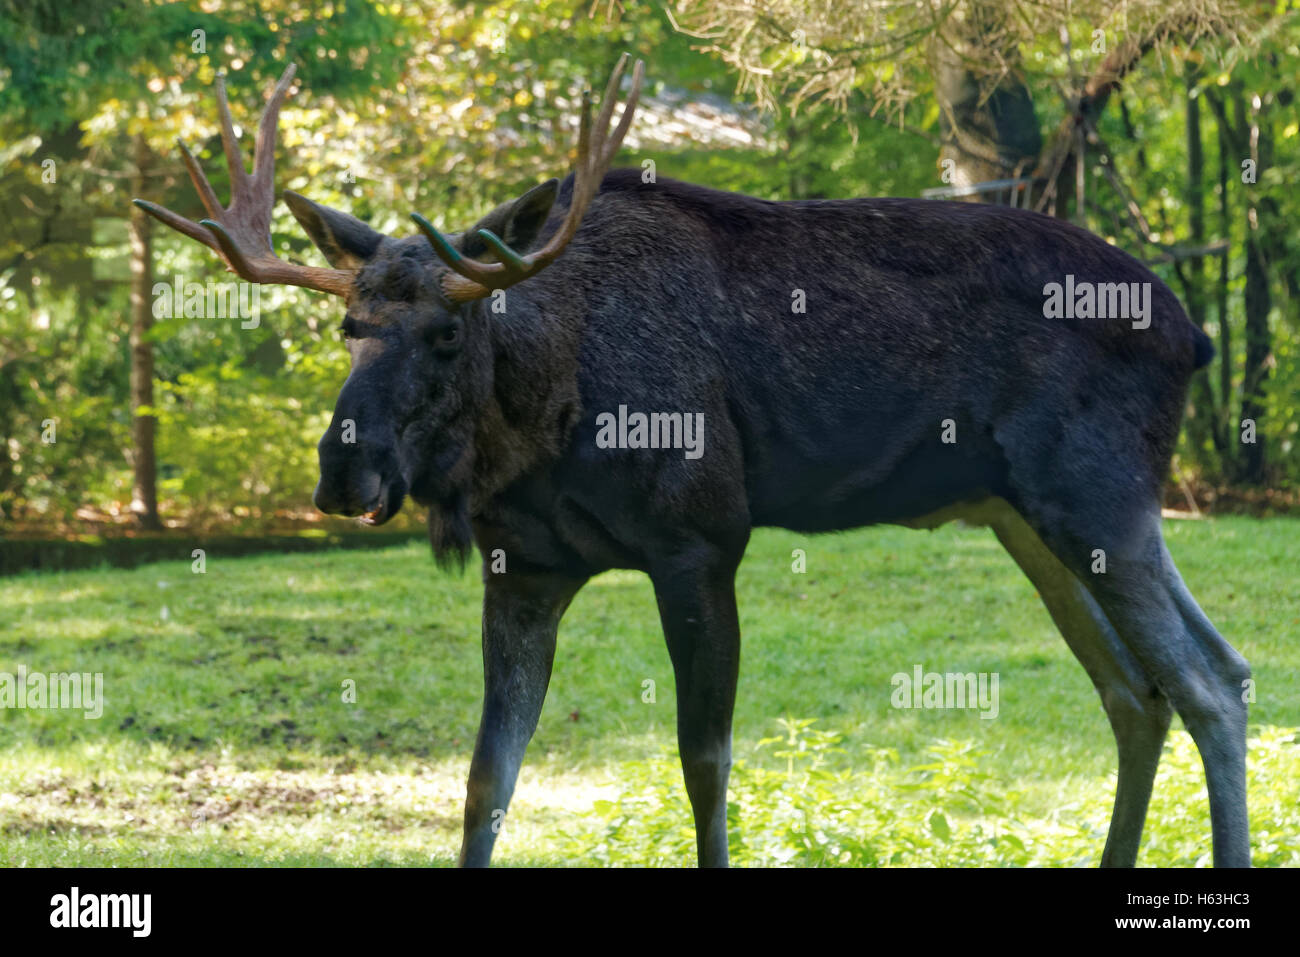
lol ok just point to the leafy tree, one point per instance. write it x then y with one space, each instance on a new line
115 73
450 108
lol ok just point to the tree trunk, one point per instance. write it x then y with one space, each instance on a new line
1258 300
144 497
1203 413
1223 426
985 138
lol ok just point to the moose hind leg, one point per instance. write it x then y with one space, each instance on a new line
1223 735
1143 596
1139 713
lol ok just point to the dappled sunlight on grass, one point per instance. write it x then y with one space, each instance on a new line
950 809
101 805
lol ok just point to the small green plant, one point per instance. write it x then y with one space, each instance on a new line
953 810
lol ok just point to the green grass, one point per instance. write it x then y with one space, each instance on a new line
225 739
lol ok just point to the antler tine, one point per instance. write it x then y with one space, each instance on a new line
470 279
178 223
264 148
586 183
230 249
582 163
625 121
234 158
512 267
607 105
200 180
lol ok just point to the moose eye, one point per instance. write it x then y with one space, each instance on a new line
448 337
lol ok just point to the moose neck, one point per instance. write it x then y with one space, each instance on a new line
532 403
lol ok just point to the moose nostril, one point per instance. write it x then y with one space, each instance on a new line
322 503
350 495
327 500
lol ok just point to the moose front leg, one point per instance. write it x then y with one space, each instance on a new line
521 612
697 605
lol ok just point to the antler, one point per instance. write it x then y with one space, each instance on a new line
241 233
471 279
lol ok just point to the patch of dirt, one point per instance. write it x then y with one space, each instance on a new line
191 794
27 826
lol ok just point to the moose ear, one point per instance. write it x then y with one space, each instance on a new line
346 241
517 222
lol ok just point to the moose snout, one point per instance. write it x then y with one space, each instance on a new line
351 495
355 476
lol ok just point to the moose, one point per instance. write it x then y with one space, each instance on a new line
923 381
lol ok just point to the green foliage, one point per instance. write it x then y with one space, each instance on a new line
951 810
78 82
469 105
234 439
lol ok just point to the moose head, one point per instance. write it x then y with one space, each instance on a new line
416 328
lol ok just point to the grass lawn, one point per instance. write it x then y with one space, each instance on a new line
225 738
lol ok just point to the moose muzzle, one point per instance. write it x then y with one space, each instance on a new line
359 473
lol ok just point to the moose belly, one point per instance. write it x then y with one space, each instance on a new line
830 491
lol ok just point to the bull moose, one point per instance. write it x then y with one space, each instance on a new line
925 380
